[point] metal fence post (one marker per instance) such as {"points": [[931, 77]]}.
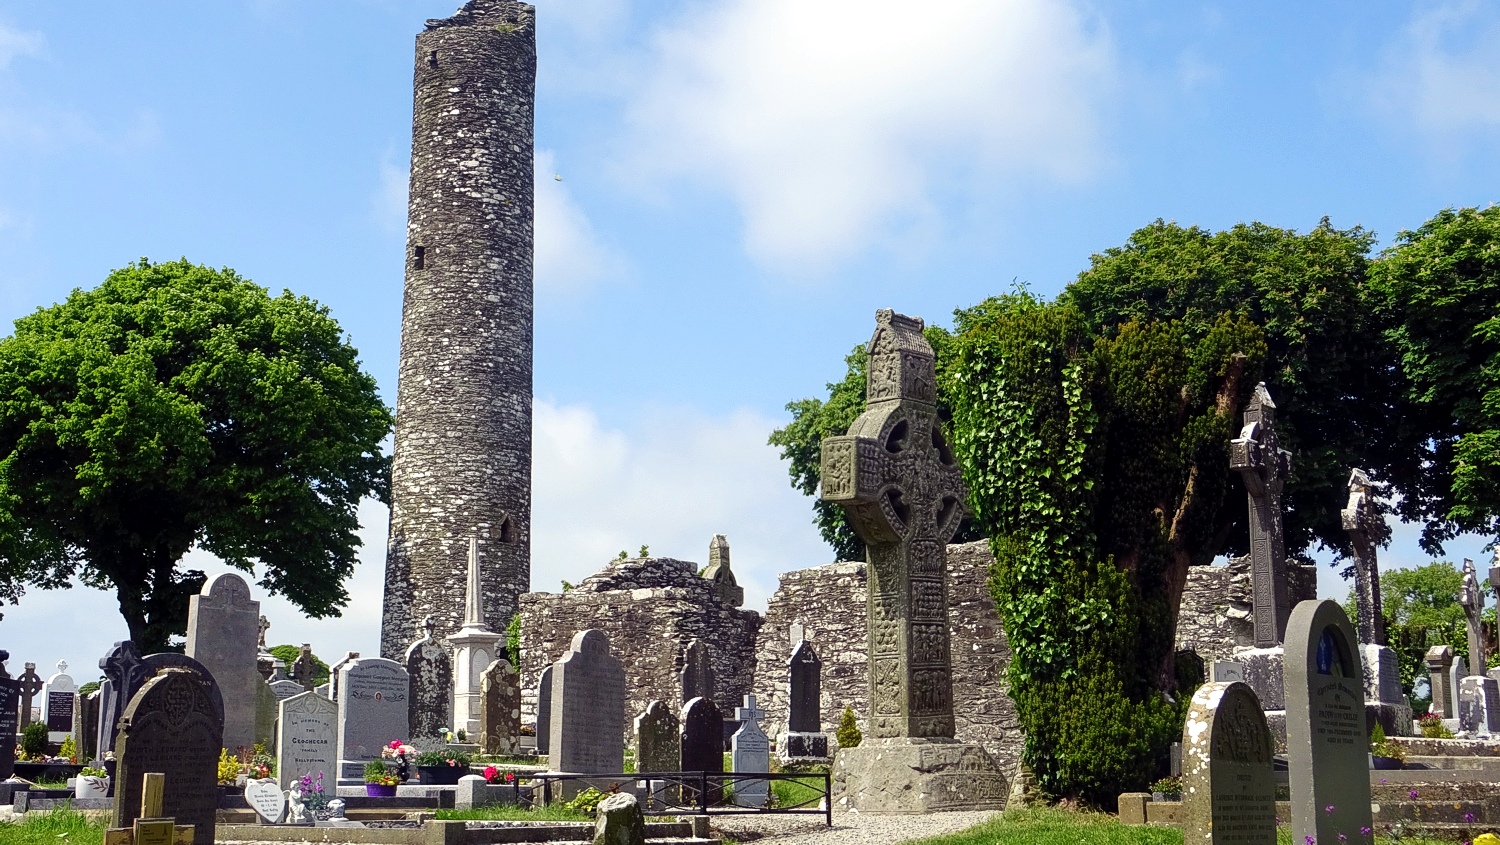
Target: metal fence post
{"points": [[828, 798]]}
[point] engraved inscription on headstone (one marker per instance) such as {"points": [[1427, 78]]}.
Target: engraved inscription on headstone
{"points": [[173, 726], [1228, 786], [751, 753], [588, 708], [224, 635], [307, 742], [431, 674], [1264, 467], [61, 703], [373, 698]]}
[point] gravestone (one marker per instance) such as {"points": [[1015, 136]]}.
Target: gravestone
{"points": [[902, 489], [588, 708], [431, 703], [265, 713], [173, 726], [88, 727], [1228, 786], [266, 798], [500, 713], [373, 705], [697, 672], [702, 747], [304, 669], [10, 704], [1227, 671], [1264, 467], [1439, 661], [61, 704], [30, 684], [124, 672], [325, 690], [1327, 749], [720, 575], [333, 673], [751, 752], [1479, 705], [1385, 702], [223, 634], [1471, 598], [544, 711], [474, 648], [283, 690], [804, 739], [1456, 675], [657, 746], [307, 742]]}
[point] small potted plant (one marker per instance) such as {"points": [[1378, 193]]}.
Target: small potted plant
{"points": [[380, 782], [1432, 727], [91, 783], [1385, 754], [495, 777], [442, 767], [400, 756]]}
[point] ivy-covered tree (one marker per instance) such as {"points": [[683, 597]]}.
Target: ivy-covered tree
{"points": [[177, 405]]}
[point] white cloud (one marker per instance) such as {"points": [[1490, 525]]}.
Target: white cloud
{"points": [[388, 201], [829, 122], [15, 43], [1441, 75], [568, 257]]}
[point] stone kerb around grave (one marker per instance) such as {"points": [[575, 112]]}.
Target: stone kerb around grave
{"points": [[1228, 786], [1328, 761]]}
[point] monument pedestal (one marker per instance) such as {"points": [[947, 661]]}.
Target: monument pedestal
{"points": [[802, 747], [917, 775], [1263, 673], [1479, 706], [1385, 703]]}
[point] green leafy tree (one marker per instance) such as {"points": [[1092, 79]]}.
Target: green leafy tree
{"points": [[288, 654], [177, 405], [513, 641], [1440, 287]]}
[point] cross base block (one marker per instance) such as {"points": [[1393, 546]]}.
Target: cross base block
{"points": [[917, 775]]}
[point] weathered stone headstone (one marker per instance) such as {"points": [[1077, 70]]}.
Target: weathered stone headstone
{"points": [[1228, 786], [374, 697], [431, 673], [1439, 661], [173, 726], [285, 689], [10, 703], [61, 704], [902, 489], [30, 684], [804, 738], [304, 669], [657, 746], [751, 752], [720, 575], [697, 672], [1264, 467], [1471, 597], [1479, 705], [544, 711], [588, 708], [702, 747], [1456, 673], [1327, 747], [307, 742], [1227, 671], [223, 634], [500, 715], [474, 647], [124, 672]]}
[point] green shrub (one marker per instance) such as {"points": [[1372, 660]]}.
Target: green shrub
{"points": [[848, 733], [34, 739], [443, 758], [586, 801]]}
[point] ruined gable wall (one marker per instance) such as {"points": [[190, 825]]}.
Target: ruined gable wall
{"points": [[1215, 618]]}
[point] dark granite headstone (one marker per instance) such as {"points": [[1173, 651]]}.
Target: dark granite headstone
{"points": [[702, 745], [88, 726], [172, 726], [124, 672], [804, 713], [1326, 741], [499, 708], [10, 702], [588, 708], [1228, 786], [60, 711], [697, 672], [431, 672], [657, 745], [544, 711]]}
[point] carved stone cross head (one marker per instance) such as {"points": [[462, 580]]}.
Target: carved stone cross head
{"points": [[265, 625], [749, 712], [1257, 452], [1361, 518], [31, 682]]}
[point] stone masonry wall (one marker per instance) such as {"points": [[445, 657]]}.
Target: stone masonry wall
{"points": [[829, 601], [650, 609], [1215, 618], [462, 457]]}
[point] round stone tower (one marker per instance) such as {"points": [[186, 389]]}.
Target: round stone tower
{"points": [[462, 462]]}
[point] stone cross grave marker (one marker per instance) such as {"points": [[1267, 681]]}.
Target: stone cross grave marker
{"points": [[702, 747], [10, 702], [657, 745], [1471, 596], [60, 704], [1367, 531], [1264, 466], [1439, 661], [697, 672], [544, 711], [1325, 726], [1228, 786], [431, 672], [173, 725], [588, 708], [307, 743], [500, 708], [30, 685], [374, 694], [124, 672], [898, 480], [751, 752], [305, 668], [223, 632]]}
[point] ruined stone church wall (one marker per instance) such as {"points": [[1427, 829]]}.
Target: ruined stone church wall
{"points": [[829, 601], [1215, 618], [650, 609]]}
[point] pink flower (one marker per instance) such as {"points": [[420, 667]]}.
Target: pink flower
{"points": [[395, 743]]}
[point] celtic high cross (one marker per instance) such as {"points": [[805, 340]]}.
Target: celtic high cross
{"points": [[895, 475], [1367, 532], [1264, 466]]}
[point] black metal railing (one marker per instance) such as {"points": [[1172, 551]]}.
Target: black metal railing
{"points": [[687, 793]]}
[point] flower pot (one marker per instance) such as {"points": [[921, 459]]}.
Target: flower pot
{"points": [[1385, 763], [88, 786], [441, 775], [380, 790]]}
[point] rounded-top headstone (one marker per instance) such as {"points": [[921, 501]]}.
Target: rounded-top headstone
{"points": [[173, 726], [227, 588], [1228, 786], [590, 641]]}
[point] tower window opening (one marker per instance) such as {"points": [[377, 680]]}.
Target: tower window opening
{"points": [[507, 531], [432, 59], [419, 258]]}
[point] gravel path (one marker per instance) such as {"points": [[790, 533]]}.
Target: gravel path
{"points": [[848, 828]]}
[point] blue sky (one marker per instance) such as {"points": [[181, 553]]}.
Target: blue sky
{"points": [[743, 183]]}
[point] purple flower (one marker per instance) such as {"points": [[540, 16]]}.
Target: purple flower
{"points": [[1469, 818], [1343, 838], [1328, 809], [1412, 795], [1309, 840]]}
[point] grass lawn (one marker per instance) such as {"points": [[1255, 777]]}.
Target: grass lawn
{"points": [[58, 826], [510, 813], [1062, 827]]}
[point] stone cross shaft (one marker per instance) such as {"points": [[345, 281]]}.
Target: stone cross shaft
{"points": [[1472, 598], [1264, 466], [895, 475], [1367, 532]]}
